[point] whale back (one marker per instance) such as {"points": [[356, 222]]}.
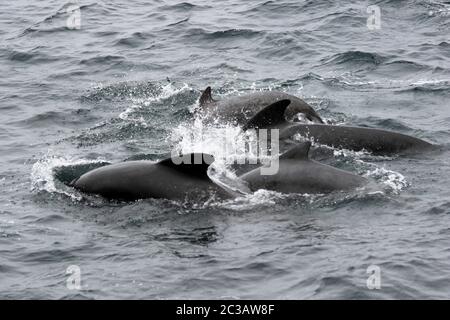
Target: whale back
{"points": [[191, 164], [239, 109], [376, 141], [182, 177], [298, 174], [299, 152]]}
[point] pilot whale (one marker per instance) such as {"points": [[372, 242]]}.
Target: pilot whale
{"points": [[173, 178], [299, 174], [239, 109], [376, 141]]}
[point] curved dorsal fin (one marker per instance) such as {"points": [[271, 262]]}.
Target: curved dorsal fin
{"points": [[195, 164], [206, 97], [300, 151], [270, 115]]}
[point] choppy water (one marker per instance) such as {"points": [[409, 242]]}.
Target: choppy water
{"points": [[124, 84]]}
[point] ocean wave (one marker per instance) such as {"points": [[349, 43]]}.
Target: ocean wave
{"points": [[443, 208], [143, 109], [137, 92], [134, 40], [351, 81], [181, 7], [165, 91], [353, 57], [134, 112], [105, 59], [50, 118], [201, 34], [57, 22], [34, 56], [430, 85]]}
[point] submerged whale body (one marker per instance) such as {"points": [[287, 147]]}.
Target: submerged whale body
{"points": [[240, 109], [377, 141], [299, 174], [133, 180]]}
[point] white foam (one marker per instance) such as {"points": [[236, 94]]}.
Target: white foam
{"points": [[350, 80], [395, 181], [42, 176], [168, 90], [248, 201], [127, 116], [226, 143]]}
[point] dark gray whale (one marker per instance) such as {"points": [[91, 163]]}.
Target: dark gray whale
{"points": [[299, 174], [240, 109], [377, 141], [133, 180]]}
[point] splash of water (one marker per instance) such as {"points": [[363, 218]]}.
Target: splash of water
{"points": [[43, 178], [393, 180], [138, 103], [168, 90], [256, 199]]}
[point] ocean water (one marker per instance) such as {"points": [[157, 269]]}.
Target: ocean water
{"points": [[103, 81]]}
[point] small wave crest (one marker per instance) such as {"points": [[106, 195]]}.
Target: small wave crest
{"points": [[259, 198], [134, 112], [120, 91], [352, 57], [43, 177], [57, 21]]}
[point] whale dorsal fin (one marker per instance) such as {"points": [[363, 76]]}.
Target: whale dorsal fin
{"points": [[206, 97], [300, 151], [270, 115], [195, 164]]}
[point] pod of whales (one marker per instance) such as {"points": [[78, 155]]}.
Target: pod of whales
{"points": [[170, 179], [240, 109], [185, 177]]}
